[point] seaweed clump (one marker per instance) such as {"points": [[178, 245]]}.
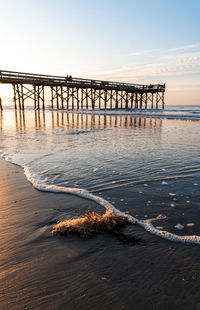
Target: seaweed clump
{"points": [[93, 223]]}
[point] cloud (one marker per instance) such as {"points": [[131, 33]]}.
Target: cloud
{"points": [[141, 53], [185, 47], [173, 49], [182, 57], [155, 70], [163, 66]]}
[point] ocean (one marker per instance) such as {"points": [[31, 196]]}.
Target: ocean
{"points": [[144, 165]]}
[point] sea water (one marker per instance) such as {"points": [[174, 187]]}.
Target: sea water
{"points": [[143, 165]]}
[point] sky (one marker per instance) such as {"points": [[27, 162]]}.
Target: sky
{"points": [[139, 41]]}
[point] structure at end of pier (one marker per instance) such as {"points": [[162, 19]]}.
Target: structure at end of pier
{"points": [[76, 93]]}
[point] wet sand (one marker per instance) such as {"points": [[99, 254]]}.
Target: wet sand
{"points": [[41, 271]]}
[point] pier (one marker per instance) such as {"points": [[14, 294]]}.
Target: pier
{"points": [[73, 93]]}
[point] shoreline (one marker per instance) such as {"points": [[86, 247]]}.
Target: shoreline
{"points": [[149, 225], [39, 270], [135, 113]]}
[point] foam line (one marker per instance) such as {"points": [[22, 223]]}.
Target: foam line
{"points": [[146, 224], [141, 113]]}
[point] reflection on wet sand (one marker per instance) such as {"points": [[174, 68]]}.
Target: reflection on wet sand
{"points": [[20, 120], [1, 120], [40, 121], [55, 119]]}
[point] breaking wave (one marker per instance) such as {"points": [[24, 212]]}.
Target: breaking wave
{"points": [[168, 113]]}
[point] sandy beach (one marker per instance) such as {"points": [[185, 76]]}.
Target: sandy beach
{"points": [[41, 271]]}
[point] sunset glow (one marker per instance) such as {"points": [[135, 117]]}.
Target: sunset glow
{"points": [[131, 41]]}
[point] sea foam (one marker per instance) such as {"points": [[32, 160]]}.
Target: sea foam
{"points": [[146, 224], [152, 113]]}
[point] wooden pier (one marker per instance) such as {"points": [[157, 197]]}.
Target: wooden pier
{"points": [[79, 94]]}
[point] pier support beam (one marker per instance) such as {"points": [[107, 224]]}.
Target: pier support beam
{"points": [[105, 98], [75, 97], [132, 95], [62, 100], [15, 95], [151, 100], [157, 100], [141, 95], [22, 92], [163, 102], [126, 100], [146, 100], [117, 100], [82, 98], [136, 100]]}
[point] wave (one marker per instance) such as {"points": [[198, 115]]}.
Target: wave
{"points": [[191, 115], [170, 112], [128, 182], [146, 224]]}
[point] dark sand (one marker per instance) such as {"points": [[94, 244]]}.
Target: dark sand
{"points": [[40, 271]]}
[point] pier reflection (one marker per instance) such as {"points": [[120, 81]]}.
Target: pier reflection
{"points": [[20, 120], [1, 120], [92, 122], [42, 120]]}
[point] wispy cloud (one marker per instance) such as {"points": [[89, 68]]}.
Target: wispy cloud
{"points": [[164, 66], [182, 59], [164, 51], [184, 47], [141, 53]]}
